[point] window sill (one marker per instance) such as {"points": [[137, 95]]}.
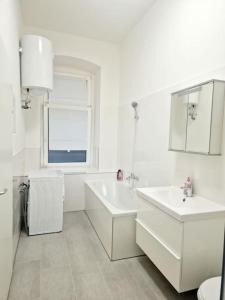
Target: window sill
{"points": [[80, 170]]}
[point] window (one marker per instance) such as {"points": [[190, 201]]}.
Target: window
{"points": [[67, 121]]}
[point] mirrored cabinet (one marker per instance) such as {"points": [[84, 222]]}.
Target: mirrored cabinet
{"points": [[196, 120]]}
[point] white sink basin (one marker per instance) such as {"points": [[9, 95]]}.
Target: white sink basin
{"points": [[171, 200]]}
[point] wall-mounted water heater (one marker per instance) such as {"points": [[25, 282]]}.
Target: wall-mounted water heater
{"points": [[36, 67]]}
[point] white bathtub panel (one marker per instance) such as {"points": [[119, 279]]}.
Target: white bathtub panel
{"points": [[124, 238], [112, 209], [100, 218]]}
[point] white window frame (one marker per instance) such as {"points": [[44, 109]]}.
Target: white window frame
{"points": [[88, 108]]}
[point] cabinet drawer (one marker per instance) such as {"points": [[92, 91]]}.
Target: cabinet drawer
{"points": [[163, 257], [165, 227]]}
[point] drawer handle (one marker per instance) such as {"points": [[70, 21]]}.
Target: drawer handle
{"points": [[158, 240]]}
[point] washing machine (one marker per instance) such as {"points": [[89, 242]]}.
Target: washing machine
{"points": [[45, 201]]}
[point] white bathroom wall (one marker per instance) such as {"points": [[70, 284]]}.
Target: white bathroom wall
{"points": [[176, 44], [10, 27], [105, 55], [75, 191]]}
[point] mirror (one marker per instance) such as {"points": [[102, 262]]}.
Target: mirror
{"points": [[178, 122], [196, 120]]}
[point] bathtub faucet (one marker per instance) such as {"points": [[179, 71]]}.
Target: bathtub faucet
{"points": [[132, 177]]}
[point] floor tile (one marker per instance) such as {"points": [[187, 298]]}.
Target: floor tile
{"points": [[57, 284], [120, 281], [151, 281], [73, 265], [54, 251], [92, 286], [25, 283], [29, 248]]}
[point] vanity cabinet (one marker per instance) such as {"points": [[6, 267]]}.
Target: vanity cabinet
{"points": [[196, 120], [186, 252]]}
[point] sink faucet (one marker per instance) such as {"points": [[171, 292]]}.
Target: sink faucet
{"points": [[188, 187]]}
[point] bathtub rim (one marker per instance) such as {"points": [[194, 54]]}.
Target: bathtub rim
{"points": [[115, 212]]}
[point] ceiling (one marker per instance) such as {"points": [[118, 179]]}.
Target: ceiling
{"points": [[107, 20]]}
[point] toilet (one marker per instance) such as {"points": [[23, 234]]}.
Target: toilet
{"points": [[210, 289]]}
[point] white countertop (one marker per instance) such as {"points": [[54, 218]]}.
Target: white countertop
{"points": [[170, 200]]}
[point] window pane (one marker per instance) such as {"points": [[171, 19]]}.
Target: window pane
{"points": [[69, 90], [68, 138]]}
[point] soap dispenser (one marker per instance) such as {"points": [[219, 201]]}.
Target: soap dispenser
{"points": [[119, 175], [188, 187]]}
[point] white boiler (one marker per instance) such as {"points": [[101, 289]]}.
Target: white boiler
{"points": [[36, 64]]}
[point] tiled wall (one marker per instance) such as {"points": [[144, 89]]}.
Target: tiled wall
{"points": [[17, 180], [74, 189], [18, 172], [153, 163], [174, 46]]}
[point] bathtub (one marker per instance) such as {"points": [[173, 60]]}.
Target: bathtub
{"points": [[111, 207]]}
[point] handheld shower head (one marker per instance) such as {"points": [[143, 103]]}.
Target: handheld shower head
{"points": [[135, 105]]}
